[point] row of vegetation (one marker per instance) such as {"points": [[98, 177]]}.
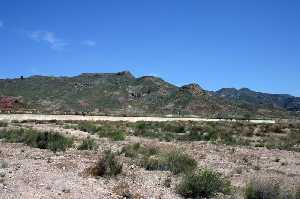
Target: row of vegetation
{"points": [[3, 124], [107, 131], [284, 136], [43, 140]]}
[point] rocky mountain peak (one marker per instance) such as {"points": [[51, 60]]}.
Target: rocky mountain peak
{"points": [[126, 74], [193, 88]]}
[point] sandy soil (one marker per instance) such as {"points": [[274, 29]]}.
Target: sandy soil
{"points": [[20, 117], [36, 173]]}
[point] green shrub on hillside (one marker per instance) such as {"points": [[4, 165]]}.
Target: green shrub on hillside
{"points": [[87, 127], [88, 144], [134, 150], [268, 189], [203, 184], [108, 165], [118, 136], [174, 161], [3, 124], [115, 135]]}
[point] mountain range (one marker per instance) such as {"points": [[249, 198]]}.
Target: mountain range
{"points": [[123, 94]]}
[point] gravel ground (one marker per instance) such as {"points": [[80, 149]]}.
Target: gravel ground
{"points": [[27, 172]]}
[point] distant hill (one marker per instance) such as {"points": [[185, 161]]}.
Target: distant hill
{"points": [[261, 100], [123, 94]]}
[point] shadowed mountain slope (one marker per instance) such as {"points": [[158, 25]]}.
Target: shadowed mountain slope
{"points": [[123, 94]]}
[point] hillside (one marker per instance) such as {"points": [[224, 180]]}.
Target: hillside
{"points": [[258, 100], [123, 94]]}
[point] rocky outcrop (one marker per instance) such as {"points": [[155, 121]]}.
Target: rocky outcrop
{"points": [[193, 88]]}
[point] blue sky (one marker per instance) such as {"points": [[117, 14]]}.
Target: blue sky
{"points": [[215, 43]]}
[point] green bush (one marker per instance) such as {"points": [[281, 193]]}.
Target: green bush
{"points": [[88, 144], [108, 165], [88, 127], [3, 124], [268, 189], [192, 136], [297, 194], [168, 137], [113, 132], [173, 127], [155, 162], [132, 150], [70, 126], [203, 184], [117, 136], [43, 140], [174, 161]]}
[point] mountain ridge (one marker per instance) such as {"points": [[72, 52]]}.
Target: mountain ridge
{"points": [[122, 93]]}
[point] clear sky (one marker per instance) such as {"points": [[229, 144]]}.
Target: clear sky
{"points": [[215, 43]]}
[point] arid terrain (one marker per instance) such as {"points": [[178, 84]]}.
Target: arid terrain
{"points": [[123, 94], [30, 171]]}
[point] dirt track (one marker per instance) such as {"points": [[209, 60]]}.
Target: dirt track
{"points": [[20, 117]]}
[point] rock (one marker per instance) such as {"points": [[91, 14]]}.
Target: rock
{"points": [[37, 158], [195, 89], [66, 190]]}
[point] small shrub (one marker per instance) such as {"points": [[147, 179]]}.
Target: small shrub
{"points": [[108, 165], [180, 162], [155, 162], [132, 150], [118, 136], [54, 141], [113, 134], [88, 144], [70, 126], [267, 189], [87, 127], [3, 124], [203, 184], [136, 149], [173, 127], [174, 161], [193, 136], [168, 137], [297, 194]]}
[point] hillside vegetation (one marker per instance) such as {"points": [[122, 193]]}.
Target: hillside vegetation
{"points": [[123, 94]]}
